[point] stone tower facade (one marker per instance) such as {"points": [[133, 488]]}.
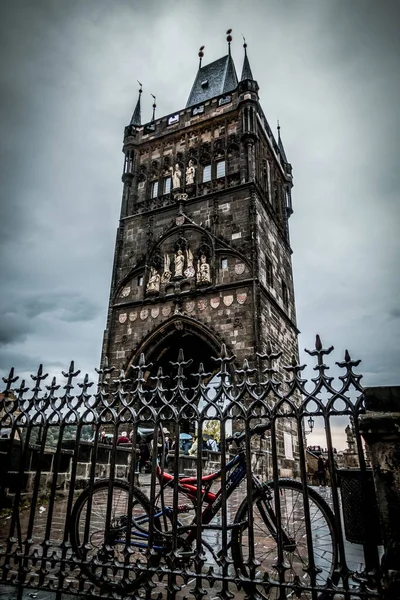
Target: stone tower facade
{"points": [[202, 254]]}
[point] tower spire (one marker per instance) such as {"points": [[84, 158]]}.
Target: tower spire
{"points": [[246, 71], [280, 144], [137, 114], [229, 39], [201, 54], [154, 108]]}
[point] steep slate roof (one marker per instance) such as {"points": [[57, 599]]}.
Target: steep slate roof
{"points": [[221, 77]]}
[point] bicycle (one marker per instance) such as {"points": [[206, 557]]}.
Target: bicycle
{"points": [[120, 538]]}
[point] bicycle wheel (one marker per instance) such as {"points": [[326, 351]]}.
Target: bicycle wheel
{"points": [[295, 549], [102, 545]]}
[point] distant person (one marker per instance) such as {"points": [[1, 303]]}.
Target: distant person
{"points": [[123, 438], [212, 444], [193, 448], [321, 467], [144, 456]]}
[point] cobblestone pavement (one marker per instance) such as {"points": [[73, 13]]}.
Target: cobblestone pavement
{"points": [[55, 524]]}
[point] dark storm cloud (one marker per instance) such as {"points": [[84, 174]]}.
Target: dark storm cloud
{"points": [[31, 313], [327, 70]]}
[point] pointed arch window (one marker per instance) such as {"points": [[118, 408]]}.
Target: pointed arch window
{"points": [[206, 173], [269, 181], [154, 189], [268, 272], [167, 185], [221, 168], [285, 295]]}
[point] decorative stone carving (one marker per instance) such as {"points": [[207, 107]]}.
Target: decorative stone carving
{"points": [[215, 302], [155, 311], [176, 177], [241, 298], [125, 291], [228, 300], [166, 310], [144, 313], [153, 285], [190, 173], [179, 263], [122, 317], [189, 271], [166, 276], [133, 316], [203, 270], [189, 306], [202, 304]]}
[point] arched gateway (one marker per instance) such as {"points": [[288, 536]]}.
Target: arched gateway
{"points": [[180, 332]]}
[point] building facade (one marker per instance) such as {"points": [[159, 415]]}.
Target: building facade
{"points": [[202, 254]]}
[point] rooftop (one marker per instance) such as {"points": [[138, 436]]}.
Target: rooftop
{"points": [[215, 79]]}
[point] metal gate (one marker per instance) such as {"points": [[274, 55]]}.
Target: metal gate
{"points": [[198, 486]]}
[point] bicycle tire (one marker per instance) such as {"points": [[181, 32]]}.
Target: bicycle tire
{"points": [[108, 571], [325, 547]]}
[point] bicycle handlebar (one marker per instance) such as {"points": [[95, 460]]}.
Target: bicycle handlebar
{"points": [[239, 436]]}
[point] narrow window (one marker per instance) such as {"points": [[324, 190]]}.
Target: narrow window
{"points": [[268, 272], [269, 181], [220, 169], [285, 297], [154, 189], [224, 263], [167, 185], [140, 280], [206, 173]]}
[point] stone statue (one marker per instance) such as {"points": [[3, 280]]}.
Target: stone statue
{"points": [[190, 173], [179, 263], [189, 271], [176, 177], [166, 276], [203, 270], [153, 285]]}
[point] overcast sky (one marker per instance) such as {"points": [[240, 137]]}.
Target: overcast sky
{"points": [[328, 70]]}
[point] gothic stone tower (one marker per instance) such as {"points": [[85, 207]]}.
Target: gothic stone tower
{"points": [[202, 252]]}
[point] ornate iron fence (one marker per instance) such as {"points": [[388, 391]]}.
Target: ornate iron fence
{"points": [[120, 491]]}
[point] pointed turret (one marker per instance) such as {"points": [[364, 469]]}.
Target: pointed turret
{"points": [[280, 144], [246, 71], [137, 113]]}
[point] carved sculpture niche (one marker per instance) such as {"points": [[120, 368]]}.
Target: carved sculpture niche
{"points": [[153, 284], [203, 271]]}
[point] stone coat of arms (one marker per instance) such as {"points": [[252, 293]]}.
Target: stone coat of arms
{"points": [[239, 268], [241, 298], [202, 304], [122, 317], [215, 302], [190, 306], [228, 300]]}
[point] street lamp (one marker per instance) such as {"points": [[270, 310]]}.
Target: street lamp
{"points": [[311, 424]]}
